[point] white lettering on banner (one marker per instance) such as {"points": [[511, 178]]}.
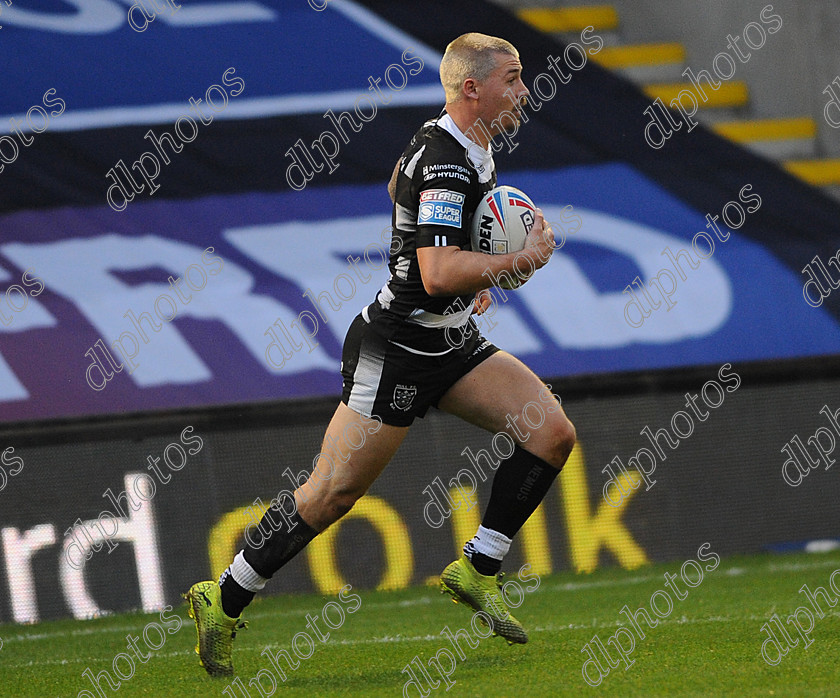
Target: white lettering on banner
{"points": [[18, 553], [105, 300], [31, 316], [566, 303], [10, 387], [102, 16], [35, 316], [578, 316], [202, 14], [561, 298], [91, 17], [289, 250], [19, 548], [139, 529]]}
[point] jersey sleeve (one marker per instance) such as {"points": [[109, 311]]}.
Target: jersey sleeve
{"points": [[444, 206]]}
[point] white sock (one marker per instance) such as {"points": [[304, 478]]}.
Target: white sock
{"points": [[488, 542], [244, 575]]}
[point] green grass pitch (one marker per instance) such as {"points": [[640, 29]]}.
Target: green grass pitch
{"points": [[709, 645]]}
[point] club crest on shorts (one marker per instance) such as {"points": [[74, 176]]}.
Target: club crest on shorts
{"points": [[403, 396]]}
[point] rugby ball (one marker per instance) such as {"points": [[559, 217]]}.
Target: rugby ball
{"points": [[501, 223]]}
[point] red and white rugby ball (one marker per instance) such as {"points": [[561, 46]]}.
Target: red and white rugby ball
{"points": [[501, 223]]}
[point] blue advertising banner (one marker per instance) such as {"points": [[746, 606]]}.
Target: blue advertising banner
{"points": [[193, 207], [246, 297], [292, 58]]}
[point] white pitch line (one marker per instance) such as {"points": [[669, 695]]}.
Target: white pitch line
{"points": [[388, 639], [798, 566], [730, 572], [774, 568], [256, 616]]}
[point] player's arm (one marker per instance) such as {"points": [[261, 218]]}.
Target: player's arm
{"points": [[450, 271]]}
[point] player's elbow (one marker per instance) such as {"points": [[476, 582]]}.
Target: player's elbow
{"points": [[435, 285], [439, 270]]}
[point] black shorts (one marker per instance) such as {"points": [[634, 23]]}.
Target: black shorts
{"points": [[384, 379]]}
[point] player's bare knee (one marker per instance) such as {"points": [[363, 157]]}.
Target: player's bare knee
{"points": [[563, 438], [568, 438]]}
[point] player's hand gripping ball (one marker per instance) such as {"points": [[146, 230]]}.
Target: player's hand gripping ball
{"points": [[501, 223]]}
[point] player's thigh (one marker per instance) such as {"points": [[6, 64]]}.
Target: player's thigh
{"points": [[502, 394], [354, 452]]}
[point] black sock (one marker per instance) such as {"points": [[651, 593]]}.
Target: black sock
{"points": [[234, 597], [519, 486], [286, 537], [485, 565]]}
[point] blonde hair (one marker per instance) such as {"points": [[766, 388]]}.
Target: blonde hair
{"points": [[470, 56]]}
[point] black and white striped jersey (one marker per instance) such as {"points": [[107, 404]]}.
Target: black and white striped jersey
{"points": [[441, 178]]}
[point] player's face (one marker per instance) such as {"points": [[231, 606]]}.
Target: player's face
{"points": [[504, 91]]}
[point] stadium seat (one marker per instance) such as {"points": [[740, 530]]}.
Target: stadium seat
{"points": [[657, 69]]}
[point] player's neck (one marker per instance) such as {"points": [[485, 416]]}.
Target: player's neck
{"points": [[469, 124]]}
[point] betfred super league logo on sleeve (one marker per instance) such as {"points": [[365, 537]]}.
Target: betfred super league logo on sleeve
{"points": [[441, 207]]}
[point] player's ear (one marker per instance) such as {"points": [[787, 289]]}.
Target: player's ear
{"points": [[470, 88]]}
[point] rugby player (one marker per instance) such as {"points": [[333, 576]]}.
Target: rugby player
{"points": [[398, 359]]}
